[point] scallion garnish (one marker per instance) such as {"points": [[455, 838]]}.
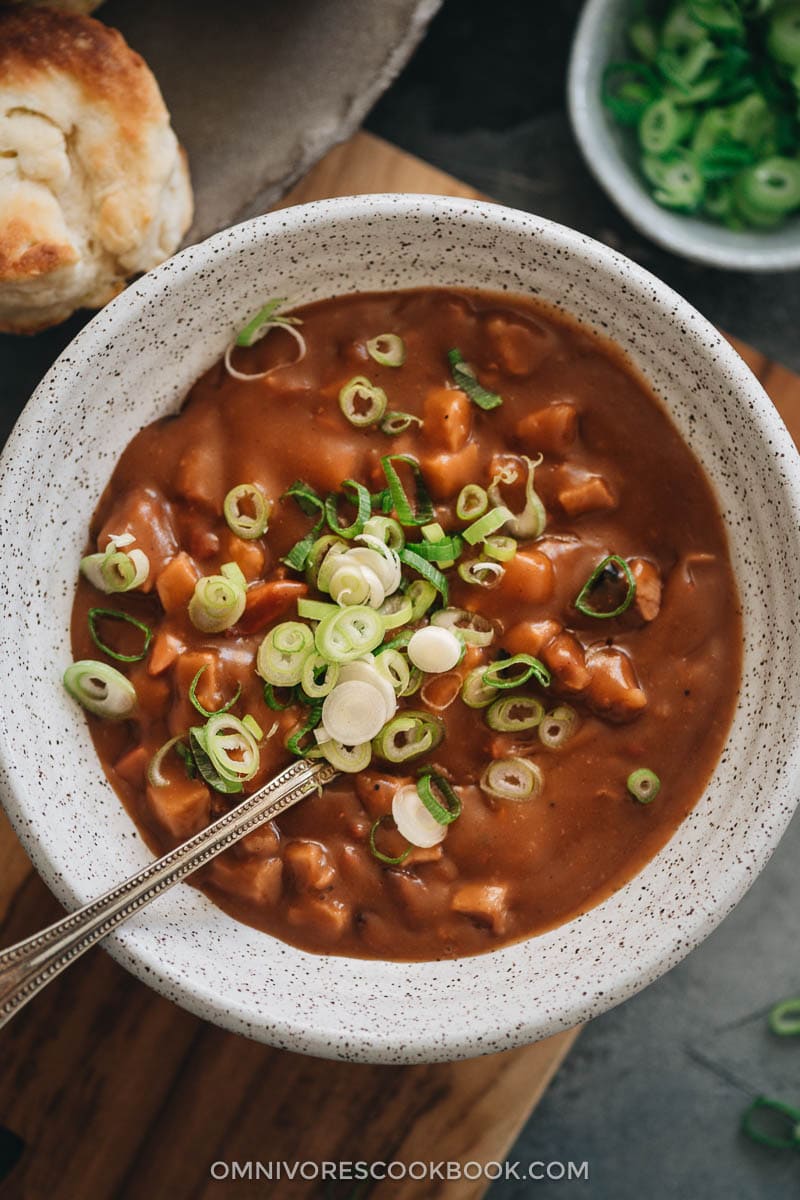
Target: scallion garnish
{"points": [[225, 752], [512, 778], [218, 600], [392, 861], [155, 776], [427, 570], [319, 677], [437, 795], [216, 712], [464, 378], [513, 672], [531, 521], [388, 530], [422, 594], [475, 692], [422, 512], [472, 502], [612, 571], [258, 324], [246, 525], [349, 633], [781, 1128], [112, 614], [500, 547], [101, 689], [557, 726], [294, 743], [489, 523], [443, 551], [310, 503], [362, 402], [273, 702], [408, 735], [514, 714], [267, 318], [387, 349], [116, 569], [283, 652], [480, 573], [363, 504], [350, 759], [471, 627], [643, 784], [784, 1018], [395, 423]]}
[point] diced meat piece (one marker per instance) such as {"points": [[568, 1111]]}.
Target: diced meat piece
{"points": [[528, 576], [147, 515], [164, 650], [647, 602], [614, 689], [203, 543], [448, 418], [565, 657], [517, 347], [486, 903], [199, 476], [376, 791], [182, 808], [266, 602], [308, 866], [248, 555], [176, 581], [326, 917], [530, 637], [258, 881], [446, 474], [132, 766], [551, 430], [424, 901], [590, 494], [263, 842]]}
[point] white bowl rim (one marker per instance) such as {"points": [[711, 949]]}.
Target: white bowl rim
{"points": [[725, 249], [381, 1045]]}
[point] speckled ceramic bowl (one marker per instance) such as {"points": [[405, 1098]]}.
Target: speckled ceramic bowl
{"points": [[610, 152], [133, 363]]}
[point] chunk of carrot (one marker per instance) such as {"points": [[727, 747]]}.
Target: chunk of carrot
{"points": [[182, 808], [448, 418], [248, 556], [446, 474], [530, 637], [132, 767], [528, 576], [175, 584], [165, 649], [550, 430], [586, 495]]}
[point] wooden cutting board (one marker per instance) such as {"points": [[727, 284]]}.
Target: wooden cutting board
{"points": [[109, 1092]]}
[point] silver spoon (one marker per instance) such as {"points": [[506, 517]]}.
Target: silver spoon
{"points": [[27, 967]]}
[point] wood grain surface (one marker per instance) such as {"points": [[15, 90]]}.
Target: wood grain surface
{"points": [[109, 1092]]}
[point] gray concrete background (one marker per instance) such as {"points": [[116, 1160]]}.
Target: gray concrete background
{"points": [[652, 1094]]}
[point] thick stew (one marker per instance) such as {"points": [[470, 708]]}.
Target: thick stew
{"points": [[451, 542]]}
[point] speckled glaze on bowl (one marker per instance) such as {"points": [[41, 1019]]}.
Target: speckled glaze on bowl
{"points": [[610, 153], [133, 363]]}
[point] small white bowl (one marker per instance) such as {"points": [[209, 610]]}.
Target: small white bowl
{"points": [[134, 363], [611, 154]]}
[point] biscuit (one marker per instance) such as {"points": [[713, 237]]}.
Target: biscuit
{"points": [[94, 186]]}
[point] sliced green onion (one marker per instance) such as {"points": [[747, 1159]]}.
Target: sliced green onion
{"points": [[387, 349], [314, 610], [443, 551], [393, 665], [612, 570], [392, 861], [480, 573], [783, 35], [244, 524], [387, 530], [155, 776], [204, 711], [115, 569], [782, 1129], [513, 672], [475, 692], [225, 752], [101, 689], [471, 627], [362, 402], [272, 701], [500, 547], [396, 611], [472, 502], [676, 179], [363, 504], [317, 554], [422, 512], [294, 743], [771, 187], [489, 523], [531, 521], [464, 378], [112, 614], [408, 735], [283, 652], [663, 126], [427, 570], [784, 1018], [218, 600], [439, 798], [395, 423], [350, 759], [557, 726], [718, 16], [319, 676], [331, 563], [249, 722], [257, 326], [627, 89], [349, 633], [512, 779], [643, 784], [422, 594], [310, 503], [513, 714]]}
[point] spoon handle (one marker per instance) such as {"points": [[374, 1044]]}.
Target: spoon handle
{"points": [[27, 967]]}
